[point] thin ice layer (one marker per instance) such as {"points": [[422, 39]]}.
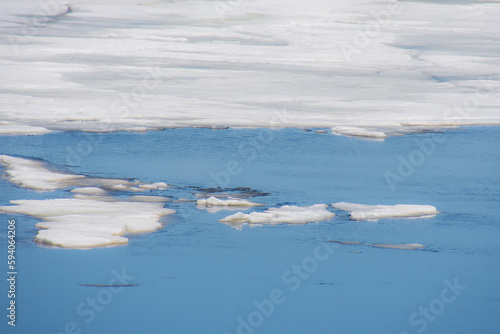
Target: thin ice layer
{"points": [[375, 212], [84, 223], [287, 214]]}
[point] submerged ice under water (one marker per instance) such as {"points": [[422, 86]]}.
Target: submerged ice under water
{"points": [[197, 265]]}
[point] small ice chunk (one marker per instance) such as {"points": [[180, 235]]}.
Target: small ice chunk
{"points": [[89, 191], [214, 201], [161, 185], [375, 212], [119, 187], [148, 186], [287, 214], [136, 189], [357, 132]]}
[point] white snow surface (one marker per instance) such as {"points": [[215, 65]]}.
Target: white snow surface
{"points": [[375, 212], [287, 214], [145, 65]]}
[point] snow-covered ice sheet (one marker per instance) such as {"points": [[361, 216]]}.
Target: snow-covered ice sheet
{"points": [[375, 212], [287, 214], [137, 66]]}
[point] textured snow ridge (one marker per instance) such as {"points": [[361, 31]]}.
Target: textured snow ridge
{"points": [[287, 214], [33, 174], [86, 223], [375, 212], [276, 63]]}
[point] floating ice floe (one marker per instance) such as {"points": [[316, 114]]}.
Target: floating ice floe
{"points": [[33, 174], [92, 218], [214, 204], [358, 132], [287, 214], [86, 223], [375, 212], [214, 201]]}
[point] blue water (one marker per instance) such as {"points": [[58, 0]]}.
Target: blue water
{"points": [[197, 275]]}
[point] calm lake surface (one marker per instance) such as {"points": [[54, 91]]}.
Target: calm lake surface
{"points": [[197, 275]]}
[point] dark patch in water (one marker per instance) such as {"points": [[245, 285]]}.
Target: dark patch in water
{"points": [[109, 285], [238, 192]]}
